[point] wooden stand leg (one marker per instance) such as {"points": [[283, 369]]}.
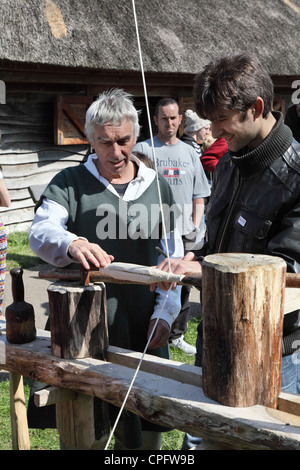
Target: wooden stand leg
{"points": [[19, 424], [77, 418], [81, 423]]}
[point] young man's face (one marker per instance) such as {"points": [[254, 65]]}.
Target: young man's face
{"points": [[237, 130], [168, 121]]}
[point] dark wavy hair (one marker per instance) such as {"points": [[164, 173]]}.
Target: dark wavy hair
{"points": [[232, 82]]}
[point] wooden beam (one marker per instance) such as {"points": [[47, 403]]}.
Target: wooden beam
{"points": [[289, 403], [82, 76], [174, 370], [291, 300], [157, 399], [51, 395], [48, 396]]}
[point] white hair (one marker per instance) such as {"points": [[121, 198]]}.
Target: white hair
{"points": [[113, 107]]}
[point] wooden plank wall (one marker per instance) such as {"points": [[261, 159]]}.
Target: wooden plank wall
{"points": [[28, 156]]}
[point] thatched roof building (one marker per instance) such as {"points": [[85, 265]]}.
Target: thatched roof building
{"points": [[57, 55], [176, 36]]}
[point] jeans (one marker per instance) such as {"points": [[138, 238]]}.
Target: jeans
{"points": [[290, 373]]}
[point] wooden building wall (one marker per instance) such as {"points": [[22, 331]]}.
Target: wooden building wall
{"points": [[28, 156]]}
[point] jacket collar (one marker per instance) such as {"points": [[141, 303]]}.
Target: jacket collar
{"points": [[274, 145]]}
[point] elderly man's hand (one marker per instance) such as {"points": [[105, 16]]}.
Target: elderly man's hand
{"points": [[89, 253], [161, 334]]}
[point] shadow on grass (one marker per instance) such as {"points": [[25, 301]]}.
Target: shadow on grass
{"points": [[14, 260]]}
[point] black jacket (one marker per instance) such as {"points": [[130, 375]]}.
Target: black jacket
{"points": [[292, 120], [254, 206]]}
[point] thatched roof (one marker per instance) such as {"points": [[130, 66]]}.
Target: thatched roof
{"points": [[176, 36]]}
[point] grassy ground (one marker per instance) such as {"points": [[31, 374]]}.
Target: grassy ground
{"points": [[19, 254]]}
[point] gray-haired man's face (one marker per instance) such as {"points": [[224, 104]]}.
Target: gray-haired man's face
{"points": [[113, 145]]}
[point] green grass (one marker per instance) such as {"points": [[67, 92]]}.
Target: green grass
{"points": [[20, 254], [47, 439]]}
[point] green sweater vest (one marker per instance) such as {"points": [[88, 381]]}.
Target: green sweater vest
{"points": [[127, 230]]}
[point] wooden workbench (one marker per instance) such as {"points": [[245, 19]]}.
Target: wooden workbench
{"points": [[164, 392]]}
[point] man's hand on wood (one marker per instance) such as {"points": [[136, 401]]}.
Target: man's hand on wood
{"points": [[89, 253]]}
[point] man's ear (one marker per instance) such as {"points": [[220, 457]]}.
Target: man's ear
{"points": [[155, 120], [258, 107]]}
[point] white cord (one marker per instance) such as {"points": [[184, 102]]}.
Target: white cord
{"points": [[136, 373], [151, 134], [164, 232]]}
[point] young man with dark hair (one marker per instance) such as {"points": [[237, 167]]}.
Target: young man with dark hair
{"points": [[255, 201], [108, 209]]}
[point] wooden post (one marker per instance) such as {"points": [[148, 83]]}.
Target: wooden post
{"points": [[243, 300], [78, 323], [19, 425], [78, 320]]}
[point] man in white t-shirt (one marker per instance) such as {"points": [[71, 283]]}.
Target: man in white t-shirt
{"points": [[179, 163]]}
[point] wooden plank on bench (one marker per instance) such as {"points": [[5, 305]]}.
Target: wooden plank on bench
{"points": [[158, 399]]}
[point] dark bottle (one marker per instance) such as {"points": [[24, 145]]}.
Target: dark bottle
{"points": [[20, 322]]}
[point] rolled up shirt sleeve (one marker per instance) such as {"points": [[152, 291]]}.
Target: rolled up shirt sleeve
{"points": [[48, 236], [49, 239]]}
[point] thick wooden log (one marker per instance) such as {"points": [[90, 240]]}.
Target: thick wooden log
{"points": [[48, 396], [243, 298], [78, 320]]}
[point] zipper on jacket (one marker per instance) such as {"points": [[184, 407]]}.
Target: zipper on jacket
{"points": [[228, 220]]}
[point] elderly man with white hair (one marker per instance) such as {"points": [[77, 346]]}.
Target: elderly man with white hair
{"points": [[108, 209]]}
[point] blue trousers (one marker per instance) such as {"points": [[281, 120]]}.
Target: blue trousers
{"points": [[290, 373]]}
